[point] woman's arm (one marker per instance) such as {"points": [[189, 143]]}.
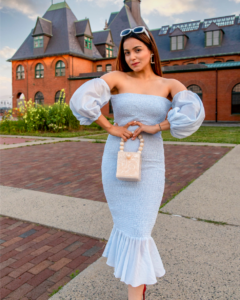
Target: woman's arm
{"points": [[187, 113]]}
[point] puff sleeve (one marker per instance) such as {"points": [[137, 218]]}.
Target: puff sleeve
{"points": [[88, 99], [186, 115]]}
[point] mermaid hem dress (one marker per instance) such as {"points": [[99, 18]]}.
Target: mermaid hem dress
{"points": [[134, 205]]}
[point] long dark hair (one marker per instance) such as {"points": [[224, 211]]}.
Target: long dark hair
{"points": [[121, 64]]}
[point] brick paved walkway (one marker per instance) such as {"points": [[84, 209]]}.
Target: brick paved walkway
{"points": [[14, 140], [74, 168], [36, 260]]}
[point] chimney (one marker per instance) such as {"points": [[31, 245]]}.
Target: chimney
{"points": [[134, 6]]}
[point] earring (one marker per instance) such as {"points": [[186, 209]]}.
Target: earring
{"points": [[152, 62]]}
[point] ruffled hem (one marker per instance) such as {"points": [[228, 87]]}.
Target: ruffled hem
{"points": [[135, 260]]}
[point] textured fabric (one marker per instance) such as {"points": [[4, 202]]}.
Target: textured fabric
{"points": [[186, 115], [134, 206], [87, 100]]}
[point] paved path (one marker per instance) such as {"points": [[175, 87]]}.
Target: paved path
{"points": [[215, 195], [74, 168], [201, 259], [36, 260], [15, 140]]}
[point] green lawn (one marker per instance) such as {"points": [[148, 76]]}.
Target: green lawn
{"points": [[64, 134], [205, 134]]}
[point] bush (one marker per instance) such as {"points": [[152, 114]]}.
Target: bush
{"points": [[33, 117]]}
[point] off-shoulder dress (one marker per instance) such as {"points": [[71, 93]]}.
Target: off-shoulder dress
{"points": [[134, 205]]}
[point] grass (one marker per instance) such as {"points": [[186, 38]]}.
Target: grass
{"points": [[205, 134], [63, 134]]}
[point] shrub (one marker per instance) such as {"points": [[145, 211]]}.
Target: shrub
{"points": [[33, 117]]}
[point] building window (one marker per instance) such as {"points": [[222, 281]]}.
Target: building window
{"points": [[176, 65], [99, 68], [39, 99], [212, 38], [217, 62], [39, 71], [230, 60], [177, 42], [236, 99], [60, 68], [59, 96], [202, 63], [110, 107], [109, 51], [196, 89], [190, 64], [108, 68], [20, 72], [38, 41], [87, 42]]}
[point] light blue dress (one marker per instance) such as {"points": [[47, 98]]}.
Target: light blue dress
{"points": [[134, 205]]}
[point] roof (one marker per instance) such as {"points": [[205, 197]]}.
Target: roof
{"points": [[81, 26], [124, 19], [100, 37], [43, 26], [58, 6], [195, 46], [63, 40], [112, 16], [201, 67], [65, 27]]}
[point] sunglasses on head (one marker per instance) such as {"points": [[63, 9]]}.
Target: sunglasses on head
{"points": [[138, 29]]}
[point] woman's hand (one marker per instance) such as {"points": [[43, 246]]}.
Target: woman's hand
{"points": [[122, 131], [152, 129]]}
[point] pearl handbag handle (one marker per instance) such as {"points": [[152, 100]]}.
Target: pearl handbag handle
{"points": [[140, 146]]}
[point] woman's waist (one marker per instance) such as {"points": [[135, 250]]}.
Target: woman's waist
{"points": [[152, 148]]}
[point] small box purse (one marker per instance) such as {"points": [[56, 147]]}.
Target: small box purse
{"points": [[129, 163]]}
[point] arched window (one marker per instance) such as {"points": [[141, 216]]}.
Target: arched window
{"points": [[39, 71], [230, 60], [59, 96], [196, 89], [20, 72], [99, 68], [39, 98], [190, 64], [217, 62], [236, 99], [60, 68], [110, 107], [202, 63], [108, 68], [176, 65]]}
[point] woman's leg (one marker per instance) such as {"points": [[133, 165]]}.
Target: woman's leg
{"points": [[135, 293]]}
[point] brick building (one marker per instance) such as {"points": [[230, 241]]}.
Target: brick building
{"points": [[63, 52]]}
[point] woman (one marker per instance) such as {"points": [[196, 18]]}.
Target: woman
{"points": [[141, 99]]}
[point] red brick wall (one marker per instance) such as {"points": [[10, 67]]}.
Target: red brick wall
{"points": [[50, 84]]}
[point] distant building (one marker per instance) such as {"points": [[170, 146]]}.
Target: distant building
{"points": [[63, 52]]}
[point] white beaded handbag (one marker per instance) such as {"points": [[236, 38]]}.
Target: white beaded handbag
{"points": [[129, 163]]}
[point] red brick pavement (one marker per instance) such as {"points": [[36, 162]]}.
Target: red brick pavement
{"points": [[35, 260], [14, 140], [74, 168]]}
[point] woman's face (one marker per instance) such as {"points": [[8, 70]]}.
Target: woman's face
{"points": [[137, 54]]}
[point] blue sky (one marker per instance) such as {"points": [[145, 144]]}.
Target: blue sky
{"points": [[18, 17]]}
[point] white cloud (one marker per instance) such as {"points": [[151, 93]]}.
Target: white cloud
{"points": [[27, 7], [237, 1], [103, 3], [175, 7], [7, 52], [146, 20]]}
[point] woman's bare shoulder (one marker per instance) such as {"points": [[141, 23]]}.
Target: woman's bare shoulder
{"points": [[175, 86], [114, 79]]}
